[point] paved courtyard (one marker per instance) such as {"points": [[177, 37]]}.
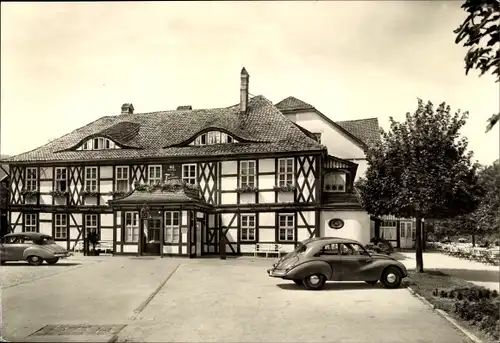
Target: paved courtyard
{"points": [[209, 300]]}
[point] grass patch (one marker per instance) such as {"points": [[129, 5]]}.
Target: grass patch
{"points": [[454, 296]]}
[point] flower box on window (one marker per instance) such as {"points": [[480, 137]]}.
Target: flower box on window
{"points": [[247, 189], [30, 193], [285, 188], [90, 193], [59, 194], [169, 186]]}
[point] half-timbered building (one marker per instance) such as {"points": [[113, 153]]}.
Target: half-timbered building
{"points": [[177, 182]]}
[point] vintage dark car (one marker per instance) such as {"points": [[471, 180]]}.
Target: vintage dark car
{"points": [[318, 260], [32, 247]]}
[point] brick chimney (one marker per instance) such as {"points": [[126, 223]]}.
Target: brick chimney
{"points": [[244, 91], [127, 109], [185, 108]]}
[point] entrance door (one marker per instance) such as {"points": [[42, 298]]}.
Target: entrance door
{"points": [[406, 234], [151, 242]]}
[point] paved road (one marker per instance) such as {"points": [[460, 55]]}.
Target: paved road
{"points": [[212, 301], [475, 272]]}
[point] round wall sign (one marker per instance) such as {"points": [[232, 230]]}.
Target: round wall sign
{"points": [[336, 223]]}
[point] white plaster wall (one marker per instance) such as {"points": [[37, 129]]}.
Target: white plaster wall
{"points": [[211, 220], [106, 219], [46, 173], [45, 216], [46, 228], [118, 215], [46, 199], [78, 219], [229, 183], [184, 236], [73, 233], [106, 234], [106, 186], [232, 235], [287, 247], [229, 167], [247, 248], [229, 198], [247, 198], [14, 218], [226, 219], [105, 198], [184, 218], [45, 186], [184, 249], [302, 234], [267, 235], [106, 172], [266, 197], [267, 165], [309, 216], [356, 225], [130, 248], [118, 231], [267, 218], [266, 181]]}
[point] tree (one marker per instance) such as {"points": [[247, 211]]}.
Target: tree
{"points": [[480, 32], [421, 169], [484, 222]]}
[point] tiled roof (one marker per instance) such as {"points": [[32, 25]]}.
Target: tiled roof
{"points": [[157, 196], [164, 134], [367, 130], [292, 103]]}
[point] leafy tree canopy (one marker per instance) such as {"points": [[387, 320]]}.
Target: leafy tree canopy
{"points": [[480, 32], [421, 168]]}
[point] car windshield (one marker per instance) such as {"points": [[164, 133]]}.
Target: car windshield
{"points": [[44, 240]]}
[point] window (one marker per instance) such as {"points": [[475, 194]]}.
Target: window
{"points": [[154, 174], [91, 224], [213, 137], [248, 227], [172, 227], [30, 222], [91, 179], [189, 173], [247, 174], [31, 179], [61, 180], [122, 179], [98, 143], [330, 249], [335, 182], [351, 249], [388, 229], [285, 172], [286, 227], [60, 226], [131, 227]]}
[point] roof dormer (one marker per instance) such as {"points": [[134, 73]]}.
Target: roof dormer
{"points": [[213, 137], [98, 143]]}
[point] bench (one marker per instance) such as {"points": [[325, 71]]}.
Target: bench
{"points": [[268, 249]]}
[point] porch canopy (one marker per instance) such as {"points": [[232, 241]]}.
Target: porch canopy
{"points": [[172, 194]]}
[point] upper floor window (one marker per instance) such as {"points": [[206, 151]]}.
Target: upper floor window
{"points": [[335, 182], [317, 136], [213, 137], [189, 173], [122, 182], [31, 179], [247, 174], [154, 174], [98, 143], [61, 179], [91, 179], [285, 171]]}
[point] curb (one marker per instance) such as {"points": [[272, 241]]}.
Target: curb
{"points": [[446, 316]]}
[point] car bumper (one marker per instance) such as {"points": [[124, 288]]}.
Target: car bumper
{"points": [[63, 255], [276, 273]]}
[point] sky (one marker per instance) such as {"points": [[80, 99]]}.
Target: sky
{"points": [[64, 65]]}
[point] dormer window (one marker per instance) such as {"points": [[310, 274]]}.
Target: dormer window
{"points": [[98, 143], [335, 182], [213, 137]]}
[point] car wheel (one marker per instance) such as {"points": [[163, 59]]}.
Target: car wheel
{"points": [[298, 282], [373, 283], [391, 277], [34, 260], [52, 260], [314, 282]]}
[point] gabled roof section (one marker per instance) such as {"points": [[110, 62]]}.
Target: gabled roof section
{"points": [[366, 130], [292, 103], [159, 134]]}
